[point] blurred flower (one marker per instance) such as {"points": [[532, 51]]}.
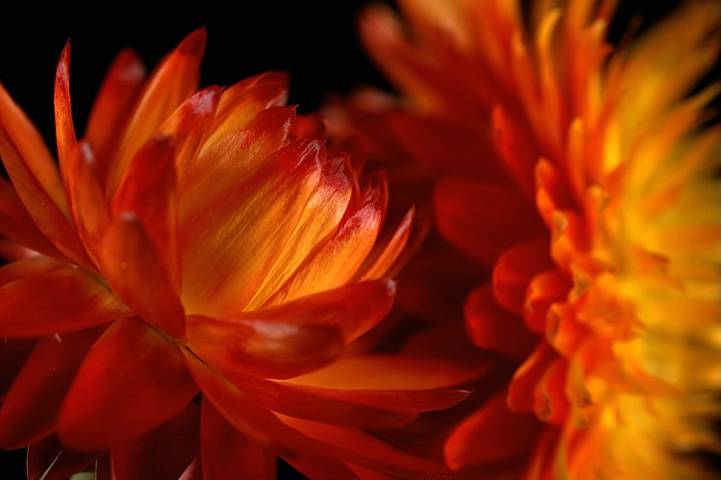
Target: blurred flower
{"points": [[187, 294], [584, 175]]}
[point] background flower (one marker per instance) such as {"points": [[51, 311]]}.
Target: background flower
{"points": [[586, 180], [196, 273]]}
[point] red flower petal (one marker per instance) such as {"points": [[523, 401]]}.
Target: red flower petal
{"points": [[520, 392], [515, 269], [132, 267], [492, 434], [131, 380], [148, 191], [227, 453], [483, 219], [13, 354], [42, 297], [164, 452], [492, 327], [64, 128], [174, 80], [31, 408]]}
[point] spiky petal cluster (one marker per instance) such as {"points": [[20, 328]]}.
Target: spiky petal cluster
{"points": [[585, 176], [180, 293]]}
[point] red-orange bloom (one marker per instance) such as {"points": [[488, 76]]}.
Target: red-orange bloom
{"points": [[584, 176], [184, 292]]}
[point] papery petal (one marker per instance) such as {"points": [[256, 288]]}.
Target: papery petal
{"points": [[357, 408], [492, 434], [163, 453], [31, 407], [175, 79], [132, 380], [64, 127], [337, 260], [36, 180], [228, 453], [89, 209], [132, 267], [255, 216], [112, 107], [491, 326], [387, 261], [515, 269], [482, 219], [17, 225], [148, 191], [48, 459], [324, 211], [272, 349], [355, 446], [44, 297]]}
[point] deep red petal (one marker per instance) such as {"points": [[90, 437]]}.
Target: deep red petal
{"points": [[43, 297], [492, 327], [31, 408], [148, 191], [492, 434], [227, 453], [163, 453], [13, 354], [132, 267], [515, 269], [520, 391], [64, 128], [132, 380]]}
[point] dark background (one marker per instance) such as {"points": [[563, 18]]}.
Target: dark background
{"points": [[315, 41]]}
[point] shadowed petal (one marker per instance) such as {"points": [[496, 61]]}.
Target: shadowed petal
{"points": [[163, 453], [132, 267], [227, 453], [13, 354], [131, 380], [42, 297], [31, 408], [514, 271]]}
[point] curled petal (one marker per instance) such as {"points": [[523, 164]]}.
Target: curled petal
{"points": [[42, 297], [132, 267], [132, 380], [515, 269], [31, 408]]}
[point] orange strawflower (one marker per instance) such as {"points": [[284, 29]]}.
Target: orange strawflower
{"points": [[189, 292], [584, 175]]}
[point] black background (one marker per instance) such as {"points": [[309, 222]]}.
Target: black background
{"points": [[315, 41]]}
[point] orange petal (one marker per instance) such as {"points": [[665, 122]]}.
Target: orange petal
{"points": [[515, 269], [520, 392], [272, 349], [384, 261], [483, 219], [31, 407], [88, 206], [232, 241], [111, 109], [227, 453], [545, 289], [492, 434], [148, 191], [164, 452], [175, 79], [494, 328], [132, 380], [48, 459], [356, 408], [131, 265], [64, 128], [42, 297]]}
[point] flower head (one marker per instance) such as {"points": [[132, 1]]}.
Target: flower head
{"points": [[193, 276], [584, 175]]}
